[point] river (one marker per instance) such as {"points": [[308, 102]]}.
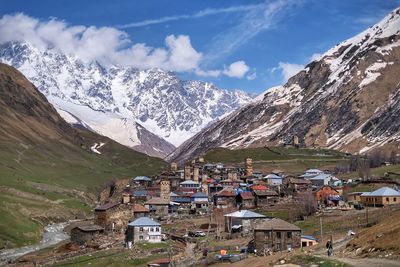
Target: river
{"points": [[53, 234]]}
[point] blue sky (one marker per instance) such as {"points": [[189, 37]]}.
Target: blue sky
{"points": [[248, 45]]}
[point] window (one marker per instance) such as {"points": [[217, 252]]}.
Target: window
{"points": [[157, 229], [394, 199], [141, 229], [151, 229], [289, 234], [278, 235], [387, 199], [140, 237]]}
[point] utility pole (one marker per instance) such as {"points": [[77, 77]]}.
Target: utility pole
{"points": [[320, 224]]}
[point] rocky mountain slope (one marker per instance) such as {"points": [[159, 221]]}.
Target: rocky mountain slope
{"points": [[349, 99], [49, 170], [131, 103]]}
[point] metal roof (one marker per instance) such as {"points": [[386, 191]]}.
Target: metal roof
{"points": [[189, 182], [199, 194], [144, 221], [272, 176], [247, 214], [309, 237], [142, 178], [321, 176], [384, 191]]}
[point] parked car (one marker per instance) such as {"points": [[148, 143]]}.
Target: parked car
{"points": [[199, 233]]}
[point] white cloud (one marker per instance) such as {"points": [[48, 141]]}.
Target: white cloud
{"points": [[288, 69], [199, 14], [237, 69], [208, 73], [107, 45]]}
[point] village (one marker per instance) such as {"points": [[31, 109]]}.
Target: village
{"points": [[207, 213]]}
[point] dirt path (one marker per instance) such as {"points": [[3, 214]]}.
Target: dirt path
{"points": [[356, 262]]}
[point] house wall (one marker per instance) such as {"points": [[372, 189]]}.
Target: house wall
{"points": [[80, 237], [379, 201], [276, 240], [158, 209], [248, 203], [119, 215], [323, 193], [308, 242], [146, 234]]}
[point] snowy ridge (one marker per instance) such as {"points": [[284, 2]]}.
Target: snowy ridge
{"points": [[164, 105], [348, 99]]}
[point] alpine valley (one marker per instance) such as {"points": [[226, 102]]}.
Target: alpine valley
{"points": [[152, 111], [348, 99]]}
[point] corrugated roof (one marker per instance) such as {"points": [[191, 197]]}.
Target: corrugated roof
{"points": [[139, 208], [107, 206], [308, 237], [142, 178], [199, 194], [157, 201], [189, 182], [248, 214], [272, 176], [144, 221], [259, 187], [313, 170], [227, 192], [276, 224], [321, 176], [247, 195], [139, 193], [384, 191], [265, 193]]}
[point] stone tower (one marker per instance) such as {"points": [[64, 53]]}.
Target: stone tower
{"points": [[187, 172], [174, 166], [249, 166], [196, 174], [165, 189], [296, 142], [204, 188]]}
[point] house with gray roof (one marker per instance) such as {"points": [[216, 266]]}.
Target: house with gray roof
{"points": [[242, 221], [143, 229], [383, 196]]}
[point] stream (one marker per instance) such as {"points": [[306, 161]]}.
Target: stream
{"points": [[53, 234]]}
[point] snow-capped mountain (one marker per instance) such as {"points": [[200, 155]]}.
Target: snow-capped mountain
{"points": [[349, 99], [123, 103]]}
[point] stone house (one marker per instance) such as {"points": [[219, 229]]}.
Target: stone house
{"points": [[276, 235], [113, 216], [225, 198], [199, 200], [158, 206], [143, 229], [265, 197], [140, 211], [242, 221], [327, 195], [85, 234], [245, 200]]}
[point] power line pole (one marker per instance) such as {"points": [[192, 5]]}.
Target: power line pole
{"points": [[320, 224]]}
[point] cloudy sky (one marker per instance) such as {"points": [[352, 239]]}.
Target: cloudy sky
{"points": [[248, 45]]}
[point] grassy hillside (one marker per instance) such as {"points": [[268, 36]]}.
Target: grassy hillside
{"points": [[54, 181], [290, 160]]}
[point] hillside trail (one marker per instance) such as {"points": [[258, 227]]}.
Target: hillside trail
{"points": [[338, 245]]}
